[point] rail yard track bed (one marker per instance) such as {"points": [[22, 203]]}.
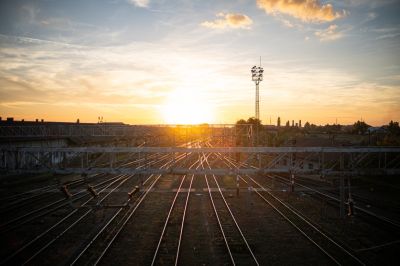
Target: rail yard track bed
{"points": [[187, 220]]}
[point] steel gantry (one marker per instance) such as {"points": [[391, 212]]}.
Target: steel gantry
{"points": [[152, 135], [325, 161]]}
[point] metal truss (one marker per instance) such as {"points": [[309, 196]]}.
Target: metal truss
{"points": [[327, 161], [155, 135]]}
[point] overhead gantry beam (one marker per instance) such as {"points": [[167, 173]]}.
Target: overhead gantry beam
{"points": [[216, 171], [257, 160], [261, 150]]}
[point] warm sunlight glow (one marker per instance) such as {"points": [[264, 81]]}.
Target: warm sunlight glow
{"points": [[185, 106]]}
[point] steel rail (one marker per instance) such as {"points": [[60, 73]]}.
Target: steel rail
{"points": [[169, 215], [127, 216], [4, 228], [184, 217], [233, 217], [62, 201], [297, 214], [107, 224], [365, 211], [219, 221], [122, 179], [54, 226], [183, 222], [39, 196]]}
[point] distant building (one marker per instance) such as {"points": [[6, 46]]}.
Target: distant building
{"points": [[376, 130]]}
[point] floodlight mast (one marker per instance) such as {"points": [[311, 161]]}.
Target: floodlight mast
{"points": [[257, 77]]}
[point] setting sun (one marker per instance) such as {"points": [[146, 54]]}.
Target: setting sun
{"points": [[185, 106]]}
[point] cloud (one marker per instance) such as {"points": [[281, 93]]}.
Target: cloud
{"points": [[229, 20], [305, 10], [140, 3], [329, 34], [36, 72], [330, 91], [287, 23], [369, 3]]}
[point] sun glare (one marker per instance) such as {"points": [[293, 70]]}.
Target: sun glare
{"points": [[184, 106]]}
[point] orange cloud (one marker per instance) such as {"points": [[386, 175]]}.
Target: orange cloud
{"points": [[306, 10], [230, 20], [329, 34]]}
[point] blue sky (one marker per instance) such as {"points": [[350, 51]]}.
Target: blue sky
{"points": [[138, 61]]}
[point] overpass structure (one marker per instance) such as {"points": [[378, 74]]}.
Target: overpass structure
{"points": [[155, 135], [326, 161]]}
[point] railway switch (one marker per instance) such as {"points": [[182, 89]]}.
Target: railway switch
{"points": [[92, 191], [65, 191], [351, 207], [133, 191], [292, 183], [237, 186]]}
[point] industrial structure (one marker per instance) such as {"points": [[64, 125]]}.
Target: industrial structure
{"points": [[41, 148], [333, 161], [172, 187]]}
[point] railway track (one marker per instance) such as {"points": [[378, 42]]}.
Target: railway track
{"points": [[68, 221], [98, 245], [145, 223], [22, 199], [150, 227], [168, 247], [61, 201], [236, 243], [336, 252], [334, 197], [39, 195]]}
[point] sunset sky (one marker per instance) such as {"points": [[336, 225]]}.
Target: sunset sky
{"points": [[167, 61]]}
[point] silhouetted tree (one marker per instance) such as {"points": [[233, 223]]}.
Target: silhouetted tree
{"points": [[307, 125], [279, 122], [360, 127], [241, 122], [256, 125], [393, 128], [255, 122]]}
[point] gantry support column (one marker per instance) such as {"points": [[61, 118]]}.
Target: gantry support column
{"points": [[341, 188]]}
